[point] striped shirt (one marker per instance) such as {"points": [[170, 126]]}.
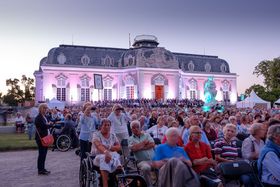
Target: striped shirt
{"points": [[226, 150]]}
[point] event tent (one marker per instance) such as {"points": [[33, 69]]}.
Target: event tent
{"points": [[253, 100], [277, 102], [54, 103]]}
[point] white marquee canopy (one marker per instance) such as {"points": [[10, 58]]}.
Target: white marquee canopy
{"points": [[252, 101]]}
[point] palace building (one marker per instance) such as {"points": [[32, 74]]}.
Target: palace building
{"points": [[145, 70]]}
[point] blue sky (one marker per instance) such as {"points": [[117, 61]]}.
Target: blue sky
{"points": [[241, 32]]}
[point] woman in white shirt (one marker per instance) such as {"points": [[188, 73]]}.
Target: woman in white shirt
{"points": [[158, 131], [119, 120]]}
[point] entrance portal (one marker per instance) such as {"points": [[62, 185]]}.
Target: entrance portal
{"points": [[159, 92]]}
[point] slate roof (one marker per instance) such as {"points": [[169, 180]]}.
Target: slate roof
{"points": [[73, 55]]}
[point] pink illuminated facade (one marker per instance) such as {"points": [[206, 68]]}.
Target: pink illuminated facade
{"points": [[142, 71]]}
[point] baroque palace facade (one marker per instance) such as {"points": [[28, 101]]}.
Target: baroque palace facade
{"points": [[142, 71]]}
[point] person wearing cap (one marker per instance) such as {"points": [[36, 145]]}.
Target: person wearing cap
{"points": [[119, 120]]}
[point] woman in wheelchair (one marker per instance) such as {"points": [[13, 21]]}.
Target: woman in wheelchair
{"points": [[105, 146], [201, 157]]}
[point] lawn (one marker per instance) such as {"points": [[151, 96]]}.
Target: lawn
{"points": [[16, 142]]}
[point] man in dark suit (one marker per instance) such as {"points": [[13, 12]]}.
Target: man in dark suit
{"points": [[42, 126]]}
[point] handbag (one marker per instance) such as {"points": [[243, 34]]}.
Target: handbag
{"points": [[47, 140], [235, 169]]}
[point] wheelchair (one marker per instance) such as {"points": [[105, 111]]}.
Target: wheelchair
{"points": [[129, 175], [89, 176], [62, 142]]}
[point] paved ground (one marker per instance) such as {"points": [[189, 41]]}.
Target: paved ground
{"points": [[19, 169]]}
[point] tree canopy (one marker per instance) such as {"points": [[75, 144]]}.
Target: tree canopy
{"points": [[16, 94], [270, 70]]}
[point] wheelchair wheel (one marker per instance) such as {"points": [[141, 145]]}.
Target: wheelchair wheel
{"points": [[132, 181], [63, 143], [83, 174]]}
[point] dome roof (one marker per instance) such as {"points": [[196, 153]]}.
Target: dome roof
{"points": [[145, 41]]}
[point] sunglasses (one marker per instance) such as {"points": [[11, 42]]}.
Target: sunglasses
{"points": [[197, 133]]}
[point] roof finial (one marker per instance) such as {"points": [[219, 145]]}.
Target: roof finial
{"points": [[129, 44], [72, 40]]}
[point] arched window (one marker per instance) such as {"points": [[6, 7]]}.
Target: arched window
{"points": [[85, 90], [61, 87], [130, 87], [193, 89], [225, 89], [108, 87]]}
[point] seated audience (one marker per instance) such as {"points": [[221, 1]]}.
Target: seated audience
{"points": [[142, 145], [269, 159], [226, 150], [194, 121], [158, 130], [174, 163], [209, 131], [252, 145], [201, 157], [175, 125]]}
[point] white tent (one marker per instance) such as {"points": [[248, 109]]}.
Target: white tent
{"points": [[253, 100], [277, 102], [54, 103]]}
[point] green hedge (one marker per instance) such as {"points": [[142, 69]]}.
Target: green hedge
{"points": [[9, 142]]}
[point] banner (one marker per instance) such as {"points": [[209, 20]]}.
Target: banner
{"points": [[98, 82]]}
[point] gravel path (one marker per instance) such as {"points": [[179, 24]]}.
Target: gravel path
{"points": [[19, 169]]}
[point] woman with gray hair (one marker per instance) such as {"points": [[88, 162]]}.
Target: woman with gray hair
{"points": [[269, 159], [252, 145]]}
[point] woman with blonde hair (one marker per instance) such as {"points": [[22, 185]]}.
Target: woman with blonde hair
{"points": [[42, 126], [158, 130]]}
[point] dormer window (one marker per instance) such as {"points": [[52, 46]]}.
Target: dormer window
{"points": [[85, 60], [191, 66], [207, 67], [223, 68], [61, 58], [107, 61]]}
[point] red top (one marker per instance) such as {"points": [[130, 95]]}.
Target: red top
{"points": [[179, 143], [197, 153]]}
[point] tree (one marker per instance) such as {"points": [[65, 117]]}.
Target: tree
{"points": [[28, 84], [259, 89], [17, 95], [270, 70]]}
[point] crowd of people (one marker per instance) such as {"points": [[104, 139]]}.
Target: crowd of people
{"points": [[158, 132]]}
